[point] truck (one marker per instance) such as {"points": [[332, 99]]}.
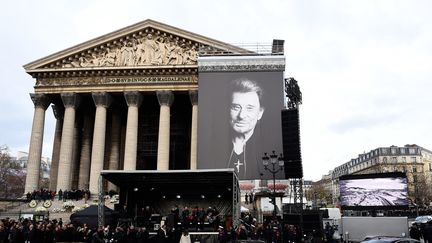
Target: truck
{"points": [[356, 229], [333, 217]]}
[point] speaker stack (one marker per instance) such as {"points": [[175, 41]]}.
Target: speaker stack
{"points": [[291, 143]]}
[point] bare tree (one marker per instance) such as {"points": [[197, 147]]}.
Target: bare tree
{"points": [[12, 177], [319, 195], [421, 193]]}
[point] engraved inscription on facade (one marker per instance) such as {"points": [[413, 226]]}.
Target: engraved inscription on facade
{"points": [[115, 80]]}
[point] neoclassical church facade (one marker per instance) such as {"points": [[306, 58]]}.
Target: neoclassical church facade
{"points": [[124, 101]]}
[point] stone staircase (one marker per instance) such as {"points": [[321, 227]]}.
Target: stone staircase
{"points": [[56, 210]]}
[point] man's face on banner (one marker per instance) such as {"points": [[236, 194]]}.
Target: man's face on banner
{"points": [[245, 111]]}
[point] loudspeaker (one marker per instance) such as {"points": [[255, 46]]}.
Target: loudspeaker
{"points": [[278, 47], [312, 222], [291, 143], [291, 219]]}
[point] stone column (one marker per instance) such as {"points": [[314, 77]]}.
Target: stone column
{"points": [[58, 114], [133, 99], [84, 169], [114, 156], [193, 95], [64, 180], [102, 101], [165, 98], [75, 159], [41, 102]]}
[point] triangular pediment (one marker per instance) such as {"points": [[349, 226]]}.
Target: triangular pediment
{"points": [[145, 44]]}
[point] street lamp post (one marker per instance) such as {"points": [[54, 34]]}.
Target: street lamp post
{"points": [[277, 164]]}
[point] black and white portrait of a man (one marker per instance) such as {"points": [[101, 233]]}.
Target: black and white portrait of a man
{"points": [[245, 111], [239, 120]]}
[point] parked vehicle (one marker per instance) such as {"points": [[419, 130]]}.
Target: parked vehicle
{"points": [[390, 239], [423, 219], [356, 229]]}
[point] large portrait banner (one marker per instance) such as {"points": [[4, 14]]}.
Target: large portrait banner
{"points": [[239, 119]]}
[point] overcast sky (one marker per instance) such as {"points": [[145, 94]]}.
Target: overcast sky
{"points": [[364, 67]]}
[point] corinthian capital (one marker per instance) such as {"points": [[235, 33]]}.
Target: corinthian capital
{"points": [[40, 100], [193, 95], [58, 111], [102, 99], [133, 98], [165, 97], [70, 100]]}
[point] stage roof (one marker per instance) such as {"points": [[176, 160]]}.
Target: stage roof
{"points": [[209, 181]]}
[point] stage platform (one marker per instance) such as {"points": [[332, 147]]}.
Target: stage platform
{"points": [[163, 191]]}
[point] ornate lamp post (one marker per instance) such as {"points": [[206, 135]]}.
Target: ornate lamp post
{"points": [[276, 164]]}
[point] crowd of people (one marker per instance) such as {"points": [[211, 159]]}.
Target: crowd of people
{"points": [[40, 195], [44, 194], [73, 195], [25, 230], [47, 231], [197, 217]]}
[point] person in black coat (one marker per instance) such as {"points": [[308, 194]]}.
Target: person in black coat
{"points": [[119, 235], [3, 234], [414, 231], [162, 235], [428, 232], [143, 235], [98, 236]]}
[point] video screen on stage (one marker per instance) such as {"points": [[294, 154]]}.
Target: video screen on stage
{"points": [[374, 190], [239, 119]]}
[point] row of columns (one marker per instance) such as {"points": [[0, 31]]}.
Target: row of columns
{"points": [[91, 160]]}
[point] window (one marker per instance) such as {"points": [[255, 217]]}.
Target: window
{"points": [[413, 159], [412, 150], [404, 159], [393, 150], [402, 150], [430, 167], [414, 169], [385, 160], [394, 160], [414, 178]]}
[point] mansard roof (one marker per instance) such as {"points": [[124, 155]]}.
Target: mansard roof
{"points": [[147, 44]]}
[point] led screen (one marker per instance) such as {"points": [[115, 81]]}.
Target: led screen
{"points": [[378, 190]]}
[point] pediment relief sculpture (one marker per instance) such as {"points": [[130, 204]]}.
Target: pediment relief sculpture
{"points": [[150, 49]]}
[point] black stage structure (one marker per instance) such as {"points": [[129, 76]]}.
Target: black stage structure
{"points": [[163, 190]]}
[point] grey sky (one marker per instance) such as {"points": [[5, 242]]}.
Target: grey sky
{"points": [[364, 67]]}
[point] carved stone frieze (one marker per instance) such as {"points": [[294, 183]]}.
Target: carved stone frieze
{"points": [[133, 98], [83, 81], [40, 100], [151, 48]]}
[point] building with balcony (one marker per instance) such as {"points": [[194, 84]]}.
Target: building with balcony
{"points": [[412, 159]]}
